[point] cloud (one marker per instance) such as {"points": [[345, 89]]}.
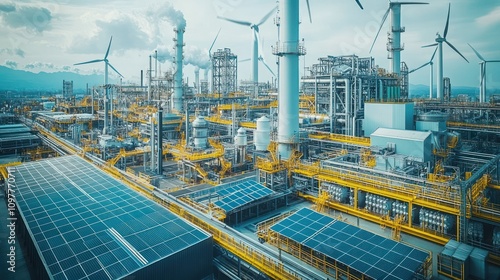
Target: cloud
{"points": [[7, 8], [16, 51], [489, 19], [125, 29], [40, 65], [11, 64], [37, 19]]}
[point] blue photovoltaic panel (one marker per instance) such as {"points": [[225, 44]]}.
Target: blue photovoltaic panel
{"points": [[368, 253], [85, 224], [241, 194]]}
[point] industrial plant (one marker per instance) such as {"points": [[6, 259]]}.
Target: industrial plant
{"points": [[335, 173]]}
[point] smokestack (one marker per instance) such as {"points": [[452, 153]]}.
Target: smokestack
{"points": [[178, 87], [149, 79], [289, 49], [142, 78], [197, 78]]}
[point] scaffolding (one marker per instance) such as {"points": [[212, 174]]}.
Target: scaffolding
{"points": [[224, 72]]}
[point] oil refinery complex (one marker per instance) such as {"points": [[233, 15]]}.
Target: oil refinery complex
{"points": [[336, 174]]}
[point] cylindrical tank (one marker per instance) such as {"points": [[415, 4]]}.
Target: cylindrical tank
{"points": [[241, 137], [262, 136], [200, 132]]}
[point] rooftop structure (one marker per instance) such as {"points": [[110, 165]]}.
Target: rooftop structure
{"points": [[80, 223]]}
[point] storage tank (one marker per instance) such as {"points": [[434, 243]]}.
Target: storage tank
{"points": [[241, 137], [240, 142], [262, 136], [200, 132]]}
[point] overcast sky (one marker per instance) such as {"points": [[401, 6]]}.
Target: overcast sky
{"points": [[53, 35]]}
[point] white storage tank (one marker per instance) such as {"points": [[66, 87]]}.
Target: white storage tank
{"points": [[200, 132], [241, 137], [262, 136]]}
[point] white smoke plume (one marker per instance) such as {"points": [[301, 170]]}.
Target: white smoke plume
{"points": [[166, 11]]}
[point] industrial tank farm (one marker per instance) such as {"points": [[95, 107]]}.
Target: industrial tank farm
{"points": [[334, 172]]}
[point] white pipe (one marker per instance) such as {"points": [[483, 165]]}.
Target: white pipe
{"points": [[149, 79], [197, 79]]}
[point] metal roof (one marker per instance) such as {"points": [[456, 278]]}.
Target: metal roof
{"points": [[370, 254], [87, 225], [401, 134]]}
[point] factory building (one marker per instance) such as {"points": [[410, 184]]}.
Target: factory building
{"points": [[75, 221]]}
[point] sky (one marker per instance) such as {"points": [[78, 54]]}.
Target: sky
{"points": [[40, 35]]}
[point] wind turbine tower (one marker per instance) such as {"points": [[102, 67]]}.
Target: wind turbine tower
{"points": [[394, 43], [439, 44], [482, 74], [255, 45], [106, 85]]}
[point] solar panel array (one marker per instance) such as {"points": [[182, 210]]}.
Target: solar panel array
{"points": [[367, 253], [241, 194], [87, 225]]}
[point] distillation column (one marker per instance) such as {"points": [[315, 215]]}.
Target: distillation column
{"points": [[395, 47], [178, 87]]}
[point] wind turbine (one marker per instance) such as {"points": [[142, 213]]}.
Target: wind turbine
{"points": [[482, 74], [210, 56], [106, 87], [255, 45], [394, 45], [439, 44], [431, 83]]}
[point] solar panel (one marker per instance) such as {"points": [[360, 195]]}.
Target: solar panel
{"points": [[367, 253], [241, 194], [85, 223]]}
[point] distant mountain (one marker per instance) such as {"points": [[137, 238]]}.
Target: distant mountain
{"points": [[423, 91], [19, 80]]}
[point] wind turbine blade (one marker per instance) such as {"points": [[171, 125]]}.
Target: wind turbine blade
{"points": [[212, 45], [419, 67], [476, 52], [447, 22], [309, 11], [359, 4], [431, 45], [434, 54], [266, 16], [88, 62], [411, 3], [109, 46], [244, 60], [115, 69], [380, 28], [267, 66], [455, 49], [246, 23], [492, 61]]}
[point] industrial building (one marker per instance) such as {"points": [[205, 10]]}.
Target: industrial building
{"points": [[77, 222]]}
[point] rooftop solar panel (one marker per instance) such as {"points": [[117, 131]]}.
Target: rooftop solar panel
{"points": [[367, 253], [87, 224], [241, 194]]}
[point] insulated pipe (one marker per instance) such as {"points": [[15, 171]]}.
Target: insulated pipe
{"points": [[178, 88], [288, 96]]}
